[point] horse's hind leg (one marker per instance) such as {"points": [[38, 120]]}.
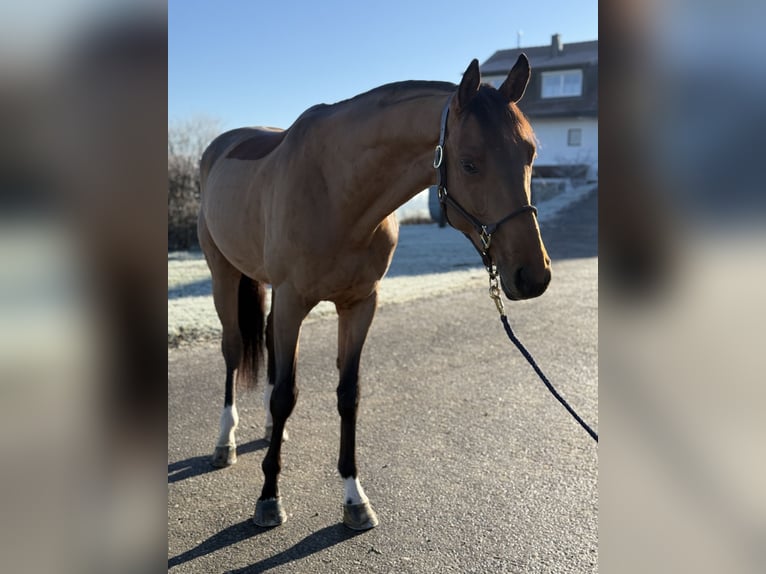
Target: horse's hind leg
{"points": [[225, 296], [288, 310], [354, 323]]}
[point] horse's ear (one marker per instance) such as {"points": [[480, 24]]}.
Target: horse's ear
{"points": [[469, 85], [514, 85]]}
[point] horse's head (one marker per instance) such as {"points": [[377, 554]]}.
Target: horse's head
{"points": [[488, 155]]}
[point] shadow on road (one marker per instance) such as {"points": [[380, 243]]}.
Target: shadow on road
{"points": [[198, 465], [226, 537], [201, 288], [313, 543], [574, 232]]}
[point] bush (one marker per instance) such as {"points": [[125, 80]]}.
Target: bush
{"points": [[183, 204], [186, 141]]}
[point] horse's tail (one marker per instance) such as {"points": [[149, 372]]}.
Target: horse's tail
{"points": [[251, 316]]}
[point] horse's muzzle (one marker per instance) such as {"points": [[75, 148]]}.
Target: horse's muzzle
{"points": [[526, 284]]}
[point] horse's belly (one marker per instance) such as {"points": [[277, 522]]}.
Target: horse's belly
{"points": [[232, 208]]}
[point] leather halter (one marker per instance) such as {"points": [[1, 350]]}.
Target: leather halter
{"points": [[484, 231]]}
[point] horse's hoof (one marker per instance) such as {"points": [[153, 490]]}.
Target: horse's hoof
{"points": [[270, 429], [269, 512], [224, 456], [359, 516]]}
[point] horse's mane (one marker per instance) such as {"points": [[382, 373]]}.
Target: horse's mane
{"points": [[382, 96], [398, 92]]}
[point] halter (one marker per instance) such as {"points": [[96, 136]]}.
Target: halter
{"points": [[484, 231]]}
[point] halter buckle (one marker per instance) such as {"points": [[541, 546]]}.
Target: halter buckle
{"points": [[486, 237]]}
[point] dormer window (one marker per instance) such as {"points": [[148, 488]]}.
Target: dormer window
{"points": [[562, 84]]}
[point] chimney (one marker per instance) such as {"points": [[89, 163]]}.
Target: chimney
{"points": [[557, 47]]}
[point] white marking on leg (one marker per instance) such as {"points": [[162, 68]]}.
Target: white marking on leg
{"points": [[229, 422], [267, 404], [353, 493]]}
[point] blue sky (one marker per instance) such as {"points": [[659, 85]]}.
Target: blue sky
{"points": [[262, 62]]}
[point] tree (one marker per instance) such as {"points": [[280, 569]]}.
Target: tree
{"points": [[187, 139]]}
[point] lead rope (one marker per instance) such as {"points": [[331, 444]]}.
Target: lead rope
{"points": [[494, 293]]}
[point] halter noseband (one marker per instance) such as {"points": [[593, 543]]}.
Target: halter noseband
{"points": [[484, 231]]}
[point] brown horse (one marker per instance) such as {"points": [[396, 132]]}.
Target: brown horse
{"points": [[308, 210]]}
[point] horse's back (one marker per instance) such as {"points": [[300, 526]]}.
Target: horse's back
{"points": [[258, 143], [242, 144]]}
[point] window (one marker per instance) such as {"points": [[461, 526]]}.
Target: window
{"points": [[574, 137], [563, 84]]}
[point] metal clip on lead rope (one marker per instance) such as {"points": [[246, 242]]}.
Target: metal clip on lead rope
{"points": [[494, 290]]}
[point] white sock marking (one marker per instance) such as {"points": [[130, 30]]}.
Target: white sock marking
{"points": [[229, 422], [353, 493]]}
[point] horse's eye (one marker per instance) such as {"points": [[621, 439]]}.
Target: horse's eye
{"points": [[469, 167]]}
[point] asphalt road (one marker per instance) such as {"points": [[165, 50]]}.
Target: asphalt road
{"points": [[470, 464]]}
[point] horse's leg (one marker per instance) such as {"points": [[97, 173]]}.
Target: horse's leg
{"points": [[270, 372], [288, 313], [271, 377], [353, 325], [225, 297]]}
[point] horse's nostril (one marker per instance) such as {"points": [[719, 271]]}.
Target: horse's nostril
{"points": [[520, 280], [528, 286]]}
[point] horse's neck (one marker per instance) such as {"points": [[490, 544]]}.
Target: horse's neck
{"points": [[391, 157]]}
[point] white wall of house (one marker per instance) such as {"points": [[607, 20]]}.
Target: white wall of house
{"points": [[415, 208], [558, 145]]}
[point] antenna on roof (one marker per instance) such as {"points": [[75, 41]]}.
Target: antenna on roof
{"points": [[519, 34]]}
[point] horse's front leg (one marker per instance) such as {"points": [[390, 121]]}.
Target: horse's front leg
{"points": [[271, 378], [354, 323], [288, 310]]}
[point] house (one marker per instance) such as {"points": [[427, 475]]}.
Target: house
{"points": [[561, 102]]}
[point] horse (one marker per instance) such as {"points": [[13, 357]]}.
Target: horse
{"points": [[310, 211]]}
